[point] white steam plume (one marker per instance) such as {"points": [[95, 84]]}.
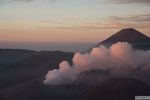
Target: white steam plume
{"points": [[120, 58]]}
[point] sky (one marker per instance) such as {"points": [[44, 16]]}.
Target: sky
{"points": [[68, 23]]}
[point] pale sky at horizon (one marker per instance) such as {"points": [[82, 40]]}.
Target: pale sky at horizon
{"points": [[70, 21]]}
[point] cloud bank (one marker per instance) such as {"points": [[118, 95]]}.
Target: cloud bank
{"points": [[133, 18], [24, 0], [107, 1], [29, 0], [130, 1], [120, 58]]}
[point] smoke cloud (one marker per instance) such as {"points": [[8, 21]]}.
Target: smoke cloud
{"points": [[121, 59]]}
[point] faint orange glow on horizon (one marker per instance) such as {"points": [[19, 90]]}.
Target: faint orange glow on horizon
{"points": [[76, 34]]}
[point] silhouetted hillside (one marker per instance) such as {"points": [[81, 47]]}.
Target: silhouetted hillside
{"points": [[36, 90], [8, 56], [119, 89], [137, 39], [128, 35], [32, 67]]}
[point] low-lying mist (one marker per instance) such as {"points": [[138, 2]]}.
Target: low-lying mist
{"points": [[120, 59], [47, 46]]}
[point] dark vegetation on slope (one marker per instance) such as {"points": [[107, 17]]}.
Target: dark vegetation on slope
{"points": [[118, 89], [32, 67], [8, 56]]}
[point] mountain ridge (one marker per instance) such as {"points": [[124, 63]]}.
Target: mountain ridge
{"points": [[137, 39], [129, 35]]}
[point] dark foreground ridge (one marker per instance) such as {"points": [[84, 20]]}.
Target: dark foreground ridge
{"points": [[119, 89]]}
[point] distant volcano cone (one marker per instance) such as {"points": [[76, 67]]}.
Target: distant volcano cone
{"points": [[119, 89], [137, 39], [127, 35]]}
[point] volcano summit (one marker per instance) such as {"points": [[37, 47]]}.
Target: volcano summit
{"points": [[129, 35], [137, 39]]}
